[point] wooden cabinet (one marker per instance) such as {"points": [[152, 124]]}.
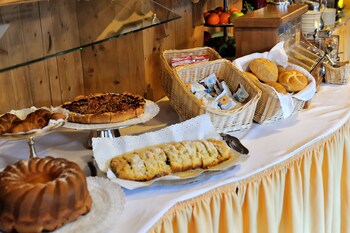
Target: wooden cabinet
{"points": [[260, 30]]}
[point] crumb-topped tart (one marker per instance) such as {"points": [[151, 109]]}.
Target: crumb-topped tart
{"points": [[105, 108]]}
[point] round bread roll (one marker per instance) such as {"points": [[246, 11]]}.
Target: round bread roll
{"points": [[293, 80], [250, 76], [280, 69], [278, 87], [265, 69]]}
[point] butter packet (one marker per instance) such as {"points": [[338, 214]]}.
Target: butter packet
{"points": [[209, 82], [241, 94], [205, 98], [195, 87], [224, 101]]}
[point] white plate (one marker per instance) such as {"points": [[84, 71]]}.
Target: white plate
{"points": [[108, 202], [52, 125], [151, 110]]}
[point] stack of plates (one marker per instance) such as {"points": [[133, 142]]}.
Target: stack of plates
{"points": [[310, 21]]}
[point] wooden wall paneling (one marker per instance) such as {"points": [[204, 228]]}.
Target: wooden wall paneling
{"points": [[92, 19], [33, 47], [14, 41], [66, 35], [157, 39], [49, 48], [197, 11], [122, 77], [99, 68], [152, 50], [136, 63], [97, 60], [7, 95], [184, 27], [7, 98]]}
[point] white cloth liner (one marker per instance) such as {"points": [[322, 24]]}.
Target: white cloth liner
{"points": [[279, 56]]}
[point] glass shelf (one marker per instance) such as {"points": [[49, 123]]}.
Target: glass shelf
{"points": [[32, 31]]}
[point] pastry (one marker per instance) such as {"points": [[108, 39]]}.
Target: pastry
{"points": [[42, 194], [156, 161], [250, 76], [278, 87], [105, 108], [265, 69], [293, 80], [280, 69], [7, 121]]}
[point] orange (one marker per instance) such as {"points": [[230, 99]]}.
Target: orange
{"points": [[213, 19], [234, 9], [224, 18]]}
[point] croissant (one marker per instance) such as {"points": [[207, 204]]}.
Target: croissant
{"points": [[39, 117], [57, 116], [24, 126], [7, 121]]}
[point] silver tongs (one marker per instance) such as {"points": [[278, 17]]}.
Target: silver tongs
{"points": [[234, 143]]}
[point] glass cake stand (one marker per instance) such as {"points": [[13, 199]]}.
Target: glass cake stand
{"points": [[30, 135], [111, 130]]}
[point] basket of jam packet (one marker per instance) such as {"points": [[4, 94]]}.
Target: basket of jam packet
{"points": [[218, 89], [172, 58]]}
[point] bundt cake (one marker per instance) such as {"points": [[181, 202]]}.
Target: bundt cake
{"points": [[41, 194]]}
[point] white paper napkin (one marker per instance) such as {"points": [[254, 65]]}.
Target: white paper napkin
{"points": [[104, 149]]}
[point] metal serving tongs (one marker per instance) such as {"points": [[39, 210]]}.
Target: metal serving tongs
{"points": [[333, 64], [234, 143]]}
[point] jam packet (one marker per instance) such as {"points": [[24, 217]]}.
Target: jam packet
{"points": [[190, 59], [180, 61]]}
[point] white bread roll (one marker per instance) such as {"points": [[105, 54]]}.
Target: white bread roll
{"points": [[278, 87], [265, 69], [293, 80]]}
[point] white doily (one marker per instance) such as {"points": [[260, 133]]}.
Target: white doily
{"points": [[108, 202], [151, 110]]}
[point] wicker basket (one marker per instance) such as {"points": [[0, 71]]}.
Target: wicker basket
{"points": [[189, 106], [167, 72], [337, 75], [269, 107]]}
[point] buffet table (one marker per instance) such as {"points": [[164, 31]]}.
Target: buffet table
{"points": [[295, 180]]}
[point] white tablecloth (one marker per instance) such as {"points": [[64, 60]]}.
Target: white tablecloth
{"points": [[268, 144]]}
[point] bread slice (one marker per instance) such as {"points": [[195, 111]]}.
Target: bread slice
{"points": [[195, 157], [155, 161]]}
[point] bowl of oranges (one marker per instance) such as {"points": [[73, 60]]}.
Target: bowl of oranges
{"points": [[221, 17]]}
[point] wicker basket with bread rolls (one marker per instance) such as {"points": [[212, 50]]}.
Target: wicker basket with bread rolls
{"points": [[277, 83]]}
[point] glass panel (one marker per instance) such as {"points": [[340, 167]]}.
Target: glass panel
{"points": [[37, 30]]}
